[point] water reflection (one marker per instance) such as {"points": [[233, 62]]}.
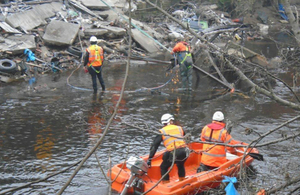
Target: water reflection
{"points": [[44, 142], [95, 119], [115, 97], [41, 135]]}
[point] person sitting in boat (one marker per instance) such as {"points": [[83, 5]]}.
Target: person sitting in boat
{"points": [[215, 155], [170, 143]]}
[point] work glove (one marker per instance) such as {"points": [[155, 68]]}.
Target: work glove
{"points": [[149, 163], [85, 69]]}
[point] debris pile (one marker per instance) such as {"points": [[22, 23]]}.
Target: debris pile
{"points": [[58, 32]]}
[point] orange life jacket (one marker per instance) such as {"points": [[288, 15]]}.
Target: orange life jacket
{"points": [[95, 55], [169, 141], [214, 155]]}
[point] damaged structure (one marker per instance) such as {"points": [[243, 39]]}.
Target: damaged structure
{"points": [[60, 30]]}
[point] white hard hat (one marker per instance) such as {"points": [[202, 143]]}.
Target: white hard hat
{"points": [[93, 39], [165, 119], [218, 116]]}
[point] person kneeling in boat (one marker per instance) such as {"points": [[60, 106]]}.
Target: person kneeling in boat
{"points": [[215, 155], [170, 143]]}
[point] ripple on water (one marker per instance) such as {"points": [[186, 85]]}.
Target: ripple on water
{"points": [[45, 134]]}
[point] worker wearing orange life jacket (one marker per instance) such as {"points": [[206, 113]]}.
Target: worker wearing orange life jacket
{"points": [[93, 60], [170, 143], [184, 58], [215, 155]]}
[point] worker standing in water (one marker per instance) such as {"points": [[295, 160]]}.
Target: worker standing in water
{"points": [[93, 61], [184, 57]]}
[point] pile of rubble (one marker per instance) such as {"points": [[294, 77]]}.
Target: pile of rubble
{"points": [[57, 33]]}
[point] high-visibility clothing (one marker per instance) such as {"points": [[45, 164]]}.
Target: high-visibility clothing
{"points": [[171, 142], [215, 155], [182, 47], [95, 55]]}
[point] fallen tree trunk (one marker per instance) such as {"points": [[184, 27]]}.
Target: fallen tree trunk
{"points": [[218, 51], [261, 90]]}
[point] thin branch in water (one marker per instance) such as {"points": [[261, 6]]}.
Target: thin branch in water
{"points": [[278, 140], [102, 171], [109, 165], [108, 124], [173, 161], [283, 186], [40, 180]]}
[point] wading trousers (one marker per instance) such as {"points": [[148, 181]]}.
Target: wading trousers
{"points": [[186, 70], [180, 158], [94, 75]]}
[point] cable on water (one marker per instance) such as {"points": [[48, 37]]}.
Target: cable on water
{"points": [[79, 88], [68, 83], [137, 90], [155, 88]]}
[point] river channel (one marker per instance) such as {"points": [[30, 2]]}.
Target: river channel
{"points": [[51, 128]]}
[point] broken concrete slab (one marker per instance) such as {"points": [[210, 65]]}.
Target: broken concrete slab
{"points": [[147, 43], [7, 28], [97, 4], [61, 33], [95, 32], [79, 5], [34, 17], [112, 16], [150, 30], [17, 44], [118, 3], [112, 29]]}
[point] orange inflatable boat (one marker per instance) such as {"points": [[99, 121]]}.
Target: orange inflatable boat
{"points": [[134, 176]]}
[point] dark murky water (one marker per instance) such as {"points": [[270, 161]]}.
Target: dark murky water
{"points": [[48, 130]]}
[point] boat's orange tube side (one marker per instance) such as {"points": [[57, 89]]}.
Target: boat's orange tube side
{"points": [[194, 182]]}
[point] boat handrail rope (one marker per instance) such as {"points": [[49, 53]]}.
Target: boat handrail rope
{"points": [[171, 167], [186, 138]]}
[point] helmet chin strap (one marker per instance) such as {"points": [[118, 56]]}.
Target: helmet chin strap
{"points": [[165, 124], [170, 122]]}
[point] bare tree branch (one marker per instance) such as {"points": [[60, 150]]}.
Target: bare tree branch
{"points": [[261, 90], [283, 186], [102, 171], [109, 121], [40, 180], [173, 161]]}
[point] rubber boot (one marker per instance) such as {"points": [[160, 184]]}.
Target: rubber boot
{"points": [[202, 168], [165, 181], [181, 178]]}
